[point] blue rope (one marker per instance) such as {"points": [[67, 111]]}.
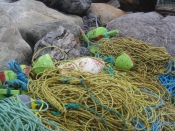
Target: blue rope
{"points": [[15, 67], [163, 124], [156, 126], [9, 91], [139, 126], [168, 80], [90, 46], [64, 80], [16, 116], [147, 91], [106, 34], [72, 106], [172, 68], [13, 83], [110, 60], [39, 103], [85, 51]]}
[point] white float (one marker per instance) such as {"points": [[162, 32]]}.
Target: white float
{"points": [[92, 65]]}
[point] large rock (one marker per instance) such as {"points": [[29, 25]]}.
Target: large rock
{"points": [[149, 27], [26, 13], [36, 32], [63, 40], [114, 3], [78, 7], [130, 1], [90, 21], [106, 11], [9, 1], [138, 5], [100, 1], [12, 46]]}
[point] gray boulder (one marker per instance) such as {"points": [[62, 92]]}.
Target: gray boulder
{"points": [[90, 21], [26, 13], [78, 7], [100, 1], [114, 3], [12, 46], [106, 12], [36, 32], [64, 41], [149, 27], [9, 1]]}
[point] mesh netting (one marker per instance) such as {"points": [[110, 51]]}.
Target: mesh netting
{"points": [[149, 27], [166, 3]]}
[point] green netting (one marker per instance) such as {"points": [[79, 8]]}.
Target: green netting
{"points": [[166, 3]]}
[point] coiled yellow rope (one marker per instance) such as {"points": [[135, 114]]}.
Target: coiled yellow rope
{"points": [[120, 92], [149, 82], [117, 93], [166, 114], [147, 58]]}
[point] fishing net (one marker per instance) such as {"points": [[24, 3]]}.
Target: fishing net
{"points": [[166, 113], [149, 27], [166, 3], [15, 116], [83, 101], [124, 100], [147, 58]]}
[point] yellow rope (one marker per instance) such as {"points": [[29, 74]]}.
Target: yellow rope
{"points": [[166, 113], [117, 93], [147, 58], [50, 55], [120, 92]]}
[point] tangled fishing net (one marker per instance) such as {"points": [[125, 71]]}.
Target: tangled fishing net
{"points": [[123, 100], [82, 101], [15, 116], [147, 58], [149, 27], [166, 115]]}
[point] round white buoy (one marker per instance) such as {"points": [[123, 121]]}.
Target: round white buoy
{"points": [[92, 65]]}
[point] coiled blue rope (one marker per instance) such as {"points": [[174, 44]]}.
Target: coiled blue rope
{"points": [[21, 80], [168, 80], [15, 83], [15, 67]]}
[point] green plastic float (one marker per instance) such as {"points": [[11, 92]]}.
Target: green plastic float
{"points": [[44, 62], [96, 35], [124, 62], [100, 32]]}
